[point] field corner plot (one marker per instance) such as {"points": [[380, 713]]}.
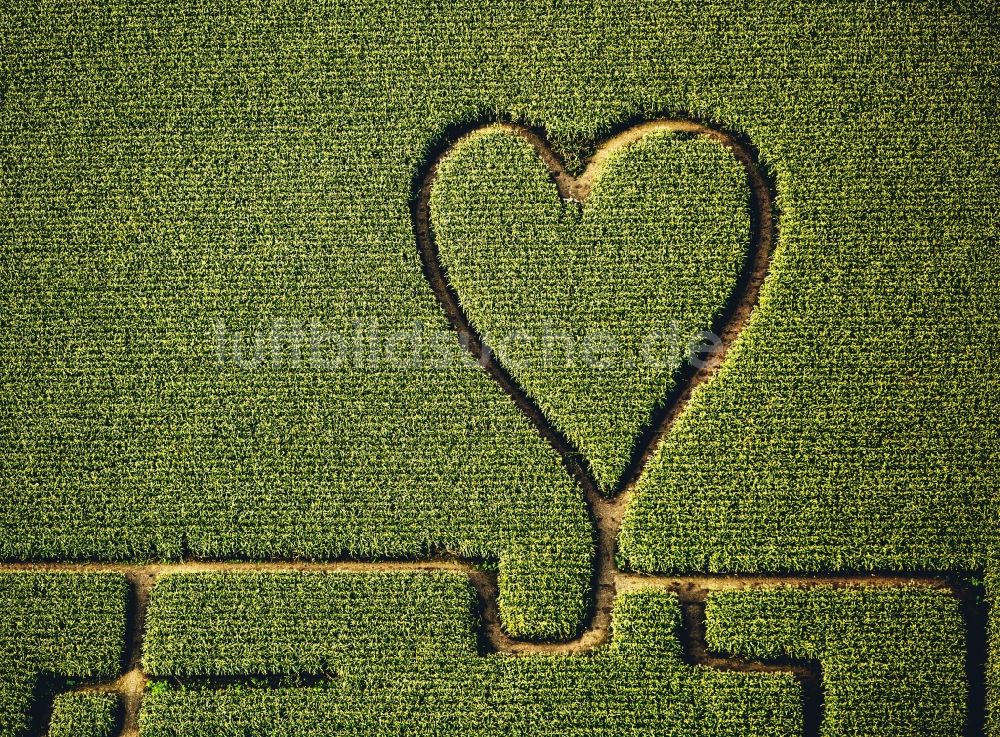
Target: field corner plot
{"points": [[57, 631], [894, 661]]}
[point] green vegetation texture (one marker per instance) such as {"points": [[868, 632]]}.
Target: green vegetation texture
{"points": [[82, 714], [301, 623], [398, 653], [56, 626], [892, 660], [210, 288], [175, 174]]}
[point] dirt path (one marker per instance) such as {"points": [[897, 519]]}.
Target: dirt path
{"points": [[689, 589], [606, 513]]}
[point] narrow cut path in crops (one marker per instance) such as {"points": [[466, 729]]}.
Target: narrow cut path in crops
{"points": [[691, 591], [607, 512]]}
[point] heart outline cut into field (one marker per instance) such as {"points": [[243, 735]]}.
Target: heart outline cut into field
{"points": [[727, 327]]}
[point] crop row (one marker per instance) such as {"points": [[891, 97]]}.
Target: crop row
{"points": [[66, 626], [395, 666], [893, 659], [217, 339], [830, 438], [293, 623]]}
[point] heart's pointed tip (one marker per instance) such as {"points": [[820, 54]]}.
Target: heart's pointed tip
{"points": [[596, 311]]}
